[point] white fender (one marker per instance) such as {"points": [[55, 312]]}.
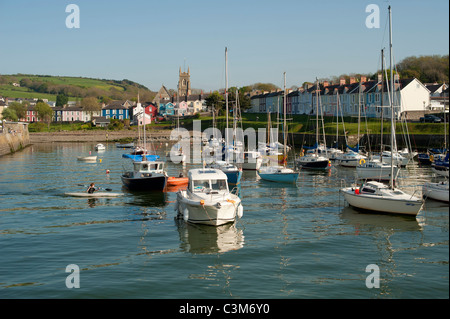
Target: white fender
{"points": [[240, 211], [185, 214]]}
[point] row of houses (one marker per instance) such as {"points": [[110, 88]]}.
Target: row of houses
{"points": [[369, 98]]}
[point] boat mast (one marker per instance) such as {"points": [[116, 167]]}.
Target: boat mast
{"points": [[381, 103], [317, 118], [226, 83], [392, 99], [284, 123]]}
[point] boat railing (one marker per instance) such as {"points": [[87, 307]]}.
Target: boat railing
{"points": [[235, 191]]}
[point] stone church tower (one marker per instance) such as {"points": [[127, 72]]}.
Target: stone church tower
{"points": [[184, 83]]}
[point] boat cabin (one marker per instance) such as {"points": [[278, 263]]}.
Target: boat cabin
{"points": [[207, 180], [146, 168]]}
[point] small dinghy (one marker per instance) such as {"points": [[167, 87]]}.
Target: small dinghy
{"points": [[93, 195], [177, 181], [87, 158]]}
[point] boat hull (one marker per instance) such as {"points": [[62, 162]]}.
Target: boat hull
{"points": [[319, 165], [381, 204], [192, 211], [375, 173], [279, 177], [93, 195], [436, 191], [234, 178], [177, 181], [154, 183]]}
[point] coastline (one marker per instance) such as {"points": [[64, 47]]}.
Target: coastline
{"points": [[94, 136]]}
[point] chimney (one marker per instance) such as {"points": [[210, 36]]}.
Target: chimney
{"points": [[363, 79], [380, 77], [352, 80], [325, 84], [342, 81]]}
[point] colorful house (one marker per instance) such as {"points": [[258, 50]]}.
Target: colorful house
{"points": [[166, 109], [117, 110]]}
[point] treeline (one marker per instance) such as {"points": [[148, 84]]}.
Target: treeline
{"points": [[427, 69]]}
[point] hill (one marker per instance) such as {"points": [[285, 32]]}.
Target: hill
{"points": [[47, 86]]}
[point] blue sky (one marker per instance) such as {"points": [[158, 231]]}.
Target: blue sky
{"points": [[148, 41]]}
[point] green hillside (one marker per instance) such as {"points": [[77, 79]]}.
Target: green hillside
{"points": [[76, 88]]}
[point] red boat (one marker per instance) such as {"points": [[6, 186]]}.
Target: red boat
{"points": [[177, 181]]}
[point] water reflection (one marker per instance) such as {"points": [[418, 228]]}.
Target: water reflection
{"points": [[365, 221], [148, 199], [204, 239]]}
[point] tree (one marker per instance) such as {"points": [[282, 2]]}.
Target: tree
{"points": [[44, 112], [10, 114], [19, 109], [215, 100], [61, 99], [90, 105]]}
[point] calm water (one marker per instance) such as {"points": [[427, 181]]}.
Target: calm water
{"points": [[292, 242]]}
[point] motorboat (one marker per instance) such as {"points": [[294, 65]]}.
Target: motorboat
{"points": [[100, 147], [375, 170], [125, 145], [313, 161], [378, 197], [139, 150], [350, 159], [398, 159], [207, 199], [440, 164], [232, 172], [145, 176], [437, 191], [278, 174]]}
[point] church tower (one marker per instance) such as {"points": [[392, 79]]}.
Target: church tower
{"points": [[184, 83]]}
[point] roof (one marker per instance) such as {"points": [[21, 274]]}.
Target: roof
{"points": [[206, 174]]}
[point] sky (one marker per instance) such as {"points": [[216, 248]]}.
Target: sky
{"points": [[147, 41]]}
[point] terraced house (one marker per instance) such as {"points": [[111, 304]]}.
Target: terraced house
{"points": [[121, 110], [368, 98]]}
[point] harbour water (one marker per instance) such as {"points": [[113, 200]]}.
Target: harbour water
{"points": [[292, 242]]}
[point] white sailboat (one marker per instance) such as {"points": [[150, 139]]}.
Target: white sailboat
{"points": [[313, 160], [374, 168], [233, 173], [277, 173], [437, 191], [353, 158], [378, 197]]}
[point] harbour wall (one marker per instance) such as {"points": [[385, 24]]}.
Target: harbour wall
{"points": [[14, 136]]}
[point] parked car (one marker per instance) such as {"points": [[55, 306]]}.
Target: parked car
{"points": [[429, 118]]}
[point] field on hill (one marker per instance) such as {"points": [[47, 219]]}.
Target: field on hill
{"points": [[48, 87]]}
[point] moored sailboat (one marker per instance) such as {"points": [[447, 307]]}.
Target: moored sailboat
{"points": [[278, 173], [378, 197]]}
